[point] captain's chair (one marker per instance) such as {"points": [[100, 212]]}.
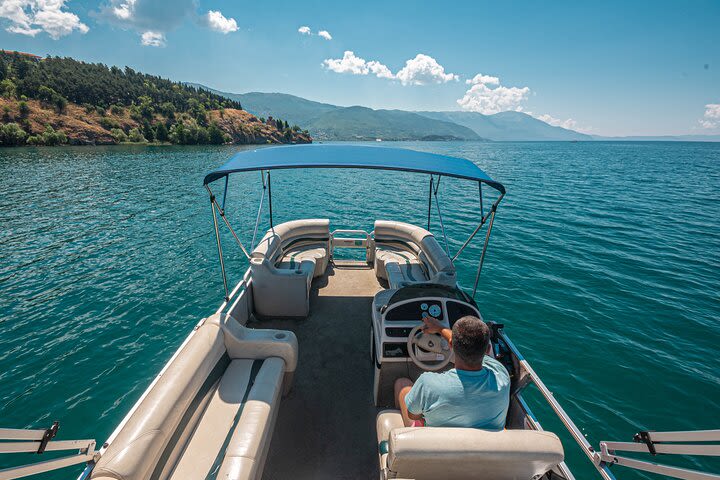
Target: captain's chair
{"points": [[421, 453]]}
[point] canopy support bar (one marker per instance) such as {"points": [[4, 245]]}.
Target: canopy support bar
{"points": [[219, 244], [269, 198], [482, 209], [485, 245], [442, 225], [222, 215], [430, 201], [262, 197], [227, 180], [477, 229]]}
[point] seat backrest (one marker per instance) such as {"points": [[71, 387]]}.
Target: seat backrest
{"points": [[389, 231], [431, 453], [436, 256], [282, 235], [136, 451], [420, 239]]}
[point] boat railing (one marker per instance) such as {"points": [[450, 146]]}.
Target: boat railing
{"points": [[645, 442], [16, 440], [357, 239]]}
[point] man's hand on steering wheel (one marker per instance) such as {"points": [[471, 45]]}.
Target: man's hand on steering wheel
{"points": [[432, 325]]}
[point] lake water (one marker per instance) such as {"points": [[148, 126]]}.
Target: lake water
{"points": [[604, 266]]}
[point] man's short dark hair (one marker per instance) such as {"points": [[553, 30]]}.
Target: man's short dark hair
{"points": [[470, 337]]}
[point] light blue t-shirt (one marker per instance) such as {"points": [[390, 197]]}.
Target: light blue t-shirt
{"points": [[463, 398]]}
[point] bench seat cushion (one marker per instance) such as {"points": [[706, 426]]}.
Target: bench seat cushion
{"points": [[247, 450], [399, 267], [216, 422]]}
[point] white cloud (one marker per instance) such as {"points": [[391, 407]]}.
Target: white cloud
{"points": [[483, 99], [30, 17], [423, 70], [124, 10], [712, 110], [711, 119], [351, 64], [305, 30], [484, 79], [325, 34], [379, 70], [153, 39], [217, 21]]}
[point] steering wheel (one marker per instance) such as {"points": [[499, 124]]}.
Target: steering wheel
{"points": [[428, 342]]}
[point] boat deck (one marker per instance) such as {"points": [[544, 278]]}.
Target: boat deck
{"points": [[326, 425]]}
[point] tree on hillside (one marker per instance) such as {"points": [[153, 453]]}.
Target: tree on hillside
{"points": [[217, 137], [161, 133], [11, 134]]}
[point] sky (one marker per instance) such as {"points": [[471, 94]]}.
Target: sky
{"points": [[606, 68]]}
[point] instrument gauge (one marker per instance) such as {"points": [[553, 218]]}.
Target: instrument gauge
{"points": [[434, 311]]}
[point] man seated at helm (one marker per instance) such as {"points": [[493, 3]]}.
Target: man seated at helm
{"points": [[474, 394]]}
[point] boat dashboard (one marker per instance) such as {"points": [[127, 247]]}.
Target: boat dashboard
{"points": [[393, 322]]}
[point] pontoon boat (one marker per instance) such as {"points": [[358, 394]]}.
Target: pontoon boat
{"points": [[281, 381]]}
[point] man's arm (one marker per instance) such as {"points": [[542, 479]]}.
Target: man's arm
{"points": [[406, 414], [433, 325]]}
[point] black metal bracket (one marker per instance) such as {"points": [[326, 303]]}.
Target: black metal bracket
{"points": [[495, 328], [644, 437], [47, 436]]}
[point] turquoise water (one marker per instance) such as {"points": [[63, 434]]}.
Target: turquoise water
{"points": [[603, 265]]}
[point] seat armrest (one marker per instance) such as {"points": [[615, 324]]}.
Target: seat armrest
{"points": [[250, 343]]}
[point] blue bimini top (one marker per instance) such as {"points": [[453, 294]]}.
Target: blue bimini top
{"points": [[352, 156]]}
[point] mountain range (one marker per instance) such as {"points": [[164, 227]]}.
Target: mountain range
{"points": [[332, 122], [325, 121]]}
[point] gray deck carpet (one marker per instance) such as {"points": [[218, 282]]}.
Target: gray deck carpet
{"points": [[326, 425]]}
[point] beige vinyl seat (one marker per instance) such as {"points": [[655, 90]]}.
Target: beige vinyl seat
{"points": [[214, 407], [284, 263], [406, 254], [421, 453]]}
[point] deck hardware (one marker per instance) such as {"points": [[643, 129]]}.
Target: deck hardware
{"points": [[644, 437], [49, 435]]}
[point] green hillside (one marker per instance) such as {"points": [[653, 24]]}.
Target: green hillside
{"points": [[361, 123], [53, 100], [296, 110]]}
